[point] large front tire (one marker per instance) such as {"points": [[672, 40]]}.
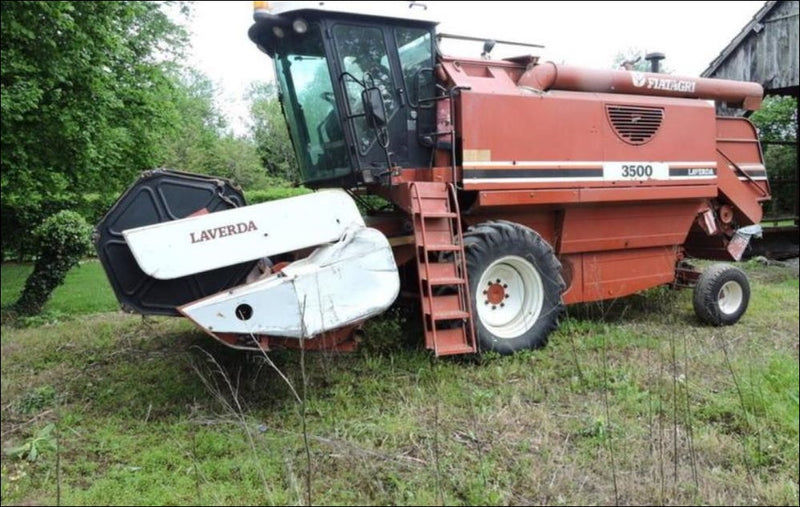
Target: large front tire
{"points": [[721, 295], [515, 286]]}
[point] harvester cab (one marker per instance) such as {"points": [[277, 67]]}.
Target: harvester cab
{"points": [[350, 88], [516, 187]]}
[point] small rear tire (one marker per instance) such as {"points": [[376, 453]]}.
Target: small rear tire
{"points": [[721, 295]]}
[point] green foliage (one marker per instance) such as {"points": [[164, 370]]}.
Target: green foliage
{"points": [[273, 194], [197, 125], [237, 158], [777, 119], [200, 141], [273, 144], [777, 122], [93, 205], [93, 93], [64, 239], [388, 333], [41, 441], [781, 163], [36, 400], [86, 102]]}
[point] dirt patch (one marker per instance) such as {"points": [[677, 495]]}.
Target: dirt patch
{"points": [[794, 265], [774, 270]]}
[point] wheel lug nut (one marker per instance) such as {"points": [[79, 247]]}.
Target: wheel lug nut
{"points": [[494, 307], [502, 305], [486, 302], [486, 292], [498, 280], [505, 285]]}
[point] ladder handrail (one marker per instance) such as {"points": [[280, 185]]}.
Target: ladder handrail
{"points": [[462, 253]]}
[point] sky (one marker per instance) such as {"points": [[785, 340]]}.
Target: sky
{"points": [[590, 34]]}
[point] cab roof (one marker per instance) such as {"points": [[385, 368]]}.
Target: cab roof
{"points": [[416, 11]]}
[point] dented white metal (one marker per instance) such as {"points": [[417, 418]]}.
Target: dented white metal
{"points": [[200, 243], [339, 284]]}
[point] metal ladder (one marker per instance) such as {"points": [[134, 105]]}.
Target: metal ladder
{"points": [[442, 269]]}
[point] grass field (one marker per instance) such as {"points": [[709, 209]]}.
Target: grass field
{"points": [[633, 402], [85, 290]]}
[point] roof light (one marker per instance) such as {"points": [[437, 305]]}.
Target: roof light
{"points": [[300, 25], [260, 7], [278, 31]]}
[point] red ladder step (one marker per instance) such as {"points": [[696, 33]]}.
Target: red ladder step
{"points": [[442, 273], [453, 341], [428, 189], [444, 308], [442, 247], [439, 214]]}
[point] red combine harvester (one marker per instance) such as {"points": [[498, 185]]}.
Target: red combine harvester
{"points": [[516, 187]]}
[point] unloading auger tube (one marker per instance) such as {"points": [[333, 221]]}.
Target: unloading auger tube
{"points": [[550, 76]]}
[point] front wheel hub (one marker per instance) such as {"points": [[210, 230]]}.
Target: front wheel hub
{"points": [[512, 293], [496, 294]]}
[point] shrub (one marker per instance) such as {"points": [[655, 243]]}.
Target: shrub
{"points": [[272, 194], [63, 239]]}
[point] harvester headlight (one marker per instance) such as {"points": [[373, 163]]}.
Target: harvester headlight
{"points": [[278, 31], [300, 25]]}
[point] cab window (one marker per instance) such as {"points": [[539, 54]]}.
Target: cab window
{"points": [[363, 58], [416, 52]]}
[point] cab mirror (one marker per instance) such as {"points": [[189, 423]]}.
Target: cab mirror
{"points": [[374, 109]]}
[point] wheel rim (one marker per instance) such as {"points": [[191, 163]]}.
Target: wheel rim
{"points": [[730, 297], [509, 297]]}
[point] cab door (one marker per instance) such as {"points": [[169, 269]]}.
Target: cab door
{"points": [[366, 56]]}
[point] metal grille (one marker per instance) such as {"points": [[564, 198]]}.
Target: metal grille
{"points": [[635, 124]]}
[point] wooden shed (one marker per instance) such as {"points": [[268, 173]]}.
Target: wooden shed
{"points": [[766, 51]]}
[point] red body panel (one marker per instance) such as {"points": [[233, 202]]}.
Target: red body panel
{"points": [[552, 160], [561, 140], [626, 226], [612, 274]]}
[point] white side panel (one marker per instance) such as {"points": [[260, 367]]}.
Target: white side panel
{"points": [[195, 244], [336, 285]]}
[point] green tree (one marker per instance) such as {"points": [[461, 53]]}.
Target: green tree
{"points": [[777, 127], [198, 125], [86, 98], [237, 158], [202, 142], [270, 134], [64, 239], [777, 119]]}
